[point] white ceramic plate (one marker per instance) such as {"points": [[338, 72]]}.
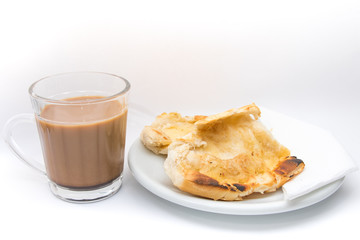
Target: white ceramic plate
{"points": [[147, 168]]}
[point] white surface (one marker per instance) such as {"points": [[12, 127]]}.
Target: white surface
{"points": [[312, 144], [148, 170], [300, 58]]}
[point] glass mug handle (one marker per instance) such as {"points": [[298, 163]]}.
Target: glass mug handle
{"points": [[10, 126]]}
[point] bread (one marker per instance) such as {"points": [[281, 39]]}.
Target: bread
{"points": [[226, 156], [166, 128]]}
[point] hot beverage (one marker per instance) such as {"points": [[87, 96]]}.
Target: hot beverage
{"points": [[83, 144]]}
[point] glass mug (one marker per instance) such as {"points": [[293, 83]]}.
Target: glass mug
{"points": [[81, 121]]}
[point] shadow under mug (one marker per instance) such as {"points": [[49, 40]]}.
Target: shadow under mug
{"points": [[81, 120]]}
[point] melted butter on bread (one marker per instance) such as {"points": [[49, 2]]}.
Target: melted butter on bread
{"points": [[225, 156], [167, 128]]}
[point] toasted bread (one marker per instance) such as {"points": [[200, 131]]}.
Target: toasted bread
{"points": [[225, 156], [167, 128]]}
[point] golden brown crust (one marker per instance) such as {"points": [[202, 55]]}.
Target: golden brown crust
{"points": [[167, 128], [288, 169], [202, 185], [250, 111], [239, 157], [226, 156]]}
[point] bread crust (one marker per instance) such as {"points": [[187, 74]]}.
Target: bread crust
{"points": [[239, 157], [167, 128], [202, 185], [226, 156]]}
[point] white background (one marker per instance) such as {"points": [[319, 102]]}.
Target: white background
{"points": [[301, 58]]}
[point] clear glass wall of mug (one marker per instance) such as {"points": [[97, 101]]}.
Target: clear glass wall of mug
{"points": [[81, 120]]}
